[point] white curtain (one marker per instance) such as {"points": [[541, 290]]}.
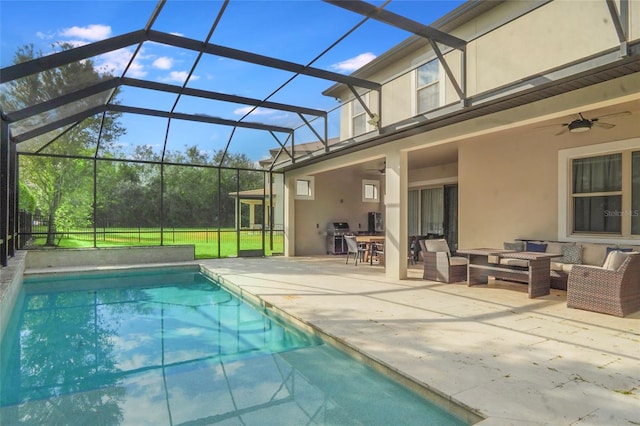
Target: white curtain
{"points": [[433, 211], [413, 212]]}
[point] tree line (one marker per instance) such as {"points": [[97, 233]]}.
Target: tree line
{"points": [[62, 178]]}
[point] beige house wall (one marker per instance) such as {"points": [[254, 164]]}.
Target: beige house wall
{"points": [[398, 103], [508, 183], [436, 175], [543, 39]]}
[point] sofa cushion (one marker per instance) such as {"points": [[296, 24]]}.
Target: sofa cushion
{"points": [[458, 260], [437, 245], [556, 266], [536, 247], [517, 246], [615, 259], [572, 254], [610, 250], [514, 262]]}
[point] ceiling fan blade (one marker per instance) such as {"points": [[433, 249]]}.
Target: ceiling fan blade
{"points": [[615, 114], [603, 125], [563, 131], [551, 125]]}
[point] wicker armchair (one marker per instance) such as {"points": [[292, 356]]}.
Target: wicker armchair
{"points": [[439, 265], [613, 292]]}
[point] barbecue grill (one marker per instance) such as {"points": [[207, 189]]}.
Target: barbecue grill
{"points": [[336, 243]]}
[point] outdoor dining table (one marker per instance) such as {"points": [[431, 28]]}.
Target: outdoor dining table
{"points": [[370, 241], [485, 262]]}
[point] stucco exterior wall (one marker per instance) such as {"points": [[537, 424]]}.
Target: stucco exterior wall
{"points": [[440, 174], [541, 40], [397, 99], [508, 184]]}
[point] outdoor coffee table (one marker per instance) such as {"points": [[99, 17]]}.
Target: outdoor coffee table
{"points": [[536, 274]]}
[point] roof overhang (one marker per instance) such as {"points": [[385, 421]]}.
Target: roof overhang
{"points": [[597, 69]]}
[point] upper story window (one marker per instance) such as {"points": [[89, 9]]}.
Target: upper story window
{"points": [[428, 86], [600, 194], [359, 116], [305, 188]]}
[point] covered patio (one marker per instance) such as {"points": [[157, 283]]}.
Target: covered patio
{"points": [[506, 358]]}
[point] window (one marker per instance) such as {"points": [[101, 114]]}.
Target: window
{"points": [[428, 87], [599, 192], [305, 188], [359, 116], [370, 191]]}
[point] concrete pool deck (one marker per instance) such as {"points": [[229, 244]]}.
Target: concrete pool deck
{"points": [[513, 360]]}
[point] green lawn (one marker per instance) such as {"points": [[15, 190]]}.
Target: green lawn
{"points": [[205, 240]]}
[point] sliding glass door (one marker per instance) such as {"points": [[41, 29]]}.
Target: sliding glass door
{"points": [[433, 212]]}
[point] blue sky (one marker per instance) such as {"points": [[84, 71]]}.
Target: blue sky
{"points": [[296, 31]]}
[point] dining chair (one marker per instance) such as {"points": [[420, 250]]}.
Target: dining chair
{"points": [[353, 247]]}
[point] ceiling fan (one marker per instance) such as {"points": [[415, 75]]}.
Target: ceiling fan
{"points": [[380, 170], [582, 124]]}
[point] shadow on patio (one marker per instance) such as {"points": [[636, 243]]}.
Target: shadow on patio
{"points": [[490, 348]]}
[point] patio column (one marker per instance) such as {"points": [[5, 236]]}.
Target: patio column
{"points": [[395, 201], [289, 216]]}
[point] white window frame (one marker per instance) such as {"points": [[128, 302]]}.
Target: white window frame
{"points": [[311, 184], [437, 82], [565, 196], [376, 185], [355, 103]]}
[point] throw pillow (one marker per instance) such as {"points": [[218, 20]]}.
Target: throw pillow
{"points": [[517, 246], [537, 247], [572, 254]]}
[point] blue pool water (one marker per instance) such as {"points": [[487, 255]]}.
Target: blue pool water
{"points": [[173, 347]]}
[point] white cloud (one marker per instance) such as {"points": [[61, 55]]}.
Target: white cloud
{"points": [[44, 36], [178, 77], [163, 63], [353, 64], [90, 33], [116, 61], [259, 111]]}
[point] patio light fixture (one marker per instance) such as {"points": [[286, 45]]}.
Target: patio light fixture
{"points": [[580, 126]]}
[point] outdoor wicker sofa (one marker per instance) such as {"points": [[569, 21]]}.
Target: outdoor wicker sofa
{"points": [[571, 254]]}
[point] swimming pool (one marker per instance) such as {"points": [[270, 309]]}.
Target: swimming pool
{"points": [[170, 346]]}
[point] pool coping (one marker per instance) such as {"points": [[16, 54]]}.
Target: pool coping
{"points": [[440, 399]]}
